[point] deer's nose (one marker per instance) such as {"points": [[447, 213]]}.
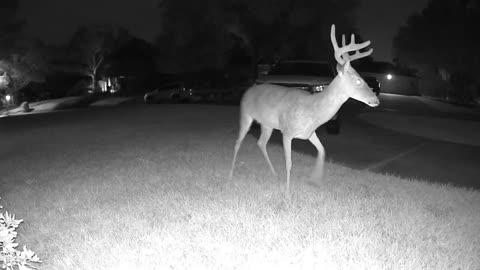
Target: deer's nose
{"points": [[374, 102]]}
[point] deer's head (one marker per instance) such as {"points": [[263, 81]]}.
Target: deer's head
{"points": [[350, 82]]}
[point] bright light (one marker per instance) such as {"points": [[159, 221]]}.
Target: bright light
{"points": [[389, 76], [8, 97], [318, 88]]}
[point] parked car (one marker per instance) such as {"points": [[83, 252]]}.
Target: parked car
{"points": [[170, 88], [207, 85], [217, 85], [311, 76]]}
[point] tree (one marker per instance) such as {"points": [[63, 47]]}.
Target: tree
{"points": [[286, 29], [10, 26], [130, 65], [198, 34], [89, 47], [132, 57], [190, 40], [21, 59], [27, 62], [444, 36]]}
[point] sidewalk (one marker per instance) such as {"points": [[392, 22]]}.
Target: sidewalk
{"points": [[448, 108], [447, 122], [441, 129], [63, 103]]}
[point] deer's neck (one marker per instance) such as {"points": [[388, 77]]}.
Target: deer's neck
{"points": [[330, 100]]}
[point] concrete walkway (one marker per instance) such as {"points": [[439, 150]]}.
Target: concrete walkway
{"points": [[435, 120], [66, 102], [434, 128], [420, 138]]}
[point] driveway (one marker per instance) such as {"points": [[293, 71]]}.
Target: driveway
{"points": [[411, 137]]}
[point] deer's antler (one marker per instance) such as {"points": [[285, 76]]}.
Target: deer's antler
{"points": [[341, 54]]}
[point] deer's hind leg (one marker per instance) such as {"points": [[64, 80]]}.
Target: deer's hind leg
{"points": [[245, 123], [287, 148], [262, 144]]}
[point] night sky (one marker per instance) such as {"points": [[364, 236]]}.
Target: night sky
{"points": [[379, 20], [55, 20]]}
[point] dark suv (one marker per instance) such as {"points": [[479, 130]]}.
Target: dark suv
{"points": [[312, 76]]}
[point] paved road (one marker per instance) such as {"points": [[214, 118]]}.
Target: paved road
{"points": [[364, 145]]}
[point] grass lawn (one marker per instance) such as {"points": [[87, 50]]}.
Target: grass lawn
{"points": [[145, 187]]}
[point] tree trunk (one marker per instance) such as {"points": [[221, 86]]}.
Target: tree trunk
{"points": [[93, 82]]}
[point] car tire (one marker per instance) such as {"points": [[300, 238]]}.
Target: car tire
{"points": [[149, 100], [333, 127]]}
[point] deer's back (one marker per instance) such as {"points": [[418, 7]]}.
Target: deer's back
{"points": [[267, 103]]}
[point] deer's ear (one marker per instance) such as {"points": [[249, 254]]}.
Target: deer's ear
{"points": [[347, 66], [339, 69]]}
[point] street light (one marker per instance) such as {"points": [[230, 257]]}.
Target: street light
{"points": [[8, 97]]}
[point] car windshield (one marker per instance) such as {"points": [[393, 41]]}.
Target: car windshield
{"points": [[302, 68], [171, 85]]}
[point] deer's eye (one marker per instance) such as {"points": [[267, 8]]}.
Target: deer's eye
{"points": [[358, 82]]}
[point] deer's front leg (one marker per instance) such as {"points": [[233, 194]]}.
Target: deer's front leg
{"points": [[287, 148], [262, 143], [318, 172]]}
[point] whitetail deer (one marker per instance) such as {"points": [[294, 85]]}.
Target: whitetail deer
{"points": [[297, 113]]}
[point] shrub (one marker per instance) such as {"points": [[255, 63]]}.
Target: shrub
{"points": [[10, 257]]}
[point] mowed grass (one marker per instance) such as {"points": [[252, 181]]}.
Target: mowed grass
{"points": [[145, 187]]}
